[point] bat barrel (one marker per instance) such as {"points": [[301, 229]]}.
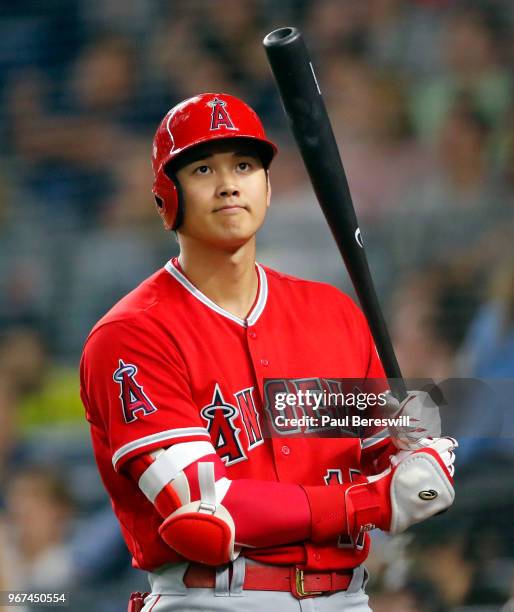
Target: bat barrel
{"points": [[305, 108], [298, 86], [309, 121]]}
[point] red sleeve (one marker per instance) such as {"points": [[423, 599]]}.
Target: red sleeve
{"points": [[135, 387]]}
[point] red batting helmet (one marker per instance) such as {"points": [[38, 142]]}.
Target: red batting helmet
{"points": [[206, 117]]}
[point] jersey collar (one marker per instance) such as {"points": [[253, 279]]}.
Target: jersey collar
{"points": [[256, 310]]}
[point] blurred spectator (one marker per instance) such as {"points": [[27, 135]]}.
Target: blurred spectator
{"points": [[509, 606], [132, 19], [488, 351], [476, 342], [26, 284], [45, 392], [177, 74], [441, 218], [132, 204], [35, 531], [36, 35], [104, 78], [412, 598], [430, 315], [4, 198], [229, 34], [447, 566], [99, 551], [508, 170], [67, 154], [24, 359], [8, 432], [371, 122], [127, 245], [460, 560], [198, 71], [405, 35], [464, 554], [333, 26], [473, 39]]}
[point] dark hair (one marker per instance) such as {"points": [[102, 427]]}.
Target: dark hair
{"points": [[262, 151]]}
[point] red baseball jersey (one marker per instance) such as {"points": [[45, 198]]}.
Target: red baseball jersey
{"points": [[167, 365]]}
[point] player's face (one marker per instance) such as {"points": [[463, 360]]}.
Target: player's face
{"points": [[226, 193]]}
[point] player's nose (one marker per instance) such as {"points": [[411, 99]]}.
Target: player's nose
{"points": [[227, 190]]}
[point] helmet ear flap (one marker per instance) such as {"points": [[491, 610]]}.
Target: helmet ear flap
{"points": [[169, 171], [167, 198]]}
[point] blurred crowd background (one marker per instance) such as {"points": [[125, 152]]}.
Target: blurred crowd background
{"points": [[420, 94]]}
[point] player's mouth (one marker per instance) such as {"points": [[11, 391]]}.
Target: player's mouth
{"points": [[230, 209]]}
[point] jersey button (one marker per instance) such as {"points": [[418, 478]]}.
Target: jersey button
{"points": [[264, 363], [286, 450], [252, 334]]}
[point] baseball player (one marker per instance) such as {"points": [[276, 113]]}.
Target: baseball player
{"points": [[172, 380]]}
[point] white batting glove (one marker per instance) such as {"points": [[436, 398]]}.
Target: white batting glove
{"points": [[417, 485], [445, 447], [419, 488], [424, 420]]}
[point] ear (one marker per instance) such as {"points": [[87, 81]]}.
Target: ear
{"points": [[164, 214], [268, 191]]}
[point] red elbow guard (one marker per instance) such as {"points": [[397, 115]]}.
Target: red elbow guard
{"points": [[200, 534]]}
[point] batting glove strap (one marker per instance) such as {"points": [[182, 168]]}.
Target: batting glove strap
{"points": [[365, 509], [328, 511]]}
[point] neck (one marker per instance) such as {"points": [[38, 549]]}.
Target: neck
{"points": [[227, 277]]}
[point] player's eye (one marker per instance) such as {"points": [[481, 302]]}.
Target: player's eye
{"points": [[202, 169], [244, 166]]}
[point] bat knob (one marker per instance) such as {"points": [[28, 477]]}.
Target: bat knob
{"points": [[282, 37]]}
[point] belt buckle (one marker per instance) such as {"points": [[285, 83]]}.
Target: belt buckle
{"points": [[300, 585]]}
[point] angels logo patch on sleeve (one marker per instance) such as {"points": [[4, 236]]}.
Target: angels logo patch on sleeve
{"points": [[132, 395]]}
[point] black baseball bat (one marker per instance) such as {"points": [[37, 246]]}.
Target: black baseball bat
{"points": [[308, 117]]}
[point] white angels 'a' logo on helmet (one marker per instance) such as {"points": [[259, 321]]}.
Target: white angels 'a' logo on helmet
{"points": [[219, 115]]}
